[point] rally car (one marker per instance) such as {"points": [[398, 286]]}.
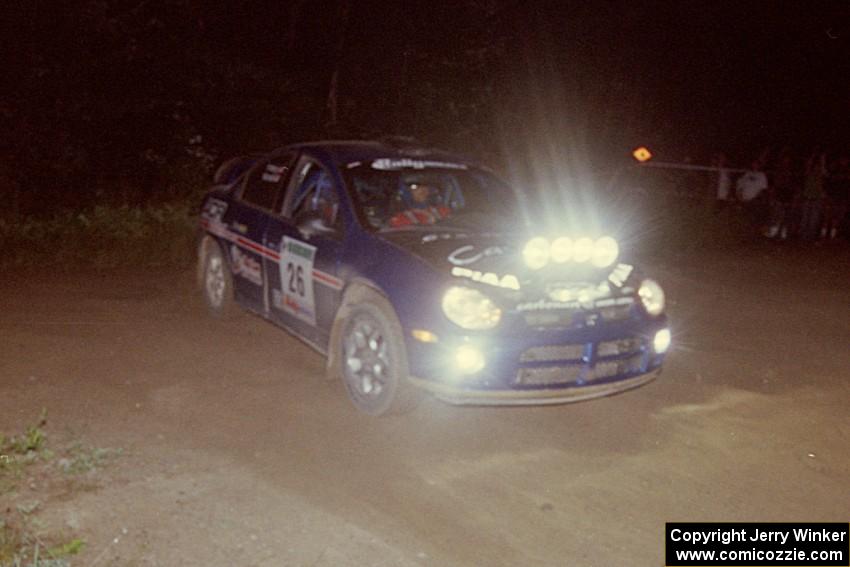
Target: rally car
{"points": [[409, 269]]}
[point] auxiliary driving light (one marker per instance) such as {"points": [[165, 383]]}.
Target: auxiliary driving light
{"points": [[661, 342], [468, 359], [562, 250], [605, 252], [536, 253], [583, 249]]}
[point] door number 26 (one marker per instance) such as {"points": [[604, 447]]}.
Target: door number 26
{"points": [[296, 278]]}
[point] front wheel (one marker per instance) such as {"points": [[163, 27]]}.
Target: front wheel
{"points": [[216, 281], [371, 356]]}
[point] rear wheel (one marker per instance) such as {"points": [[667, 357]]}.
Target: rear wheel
{"points": [[369, 354], [216, 281]]}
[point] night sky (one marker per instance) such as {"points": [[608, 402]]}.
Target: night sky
{"points": [[684, 75], [102, 88]]}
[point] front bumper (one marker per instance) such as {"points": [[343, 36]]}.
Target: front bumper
{"points": [[542, 366], [549, 396]]}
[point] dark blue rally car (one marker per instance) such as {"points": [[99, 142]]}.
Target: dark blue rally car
{"points": [[408, 268]]}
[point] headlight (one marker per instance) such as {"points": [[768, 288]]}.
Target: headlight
{"points": [[470, 309], [652, 297], [536, 253], [605, 251]]}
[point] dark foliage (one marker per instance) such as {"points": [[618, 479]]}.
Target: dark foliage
{"points": [[134, 101]]}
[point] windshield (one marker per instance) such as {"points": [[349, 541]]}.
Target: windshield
{"points": [[458, 198]]}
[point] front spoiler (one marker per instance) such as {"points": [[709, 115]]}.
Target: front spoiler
{"points": [[549, 396]]}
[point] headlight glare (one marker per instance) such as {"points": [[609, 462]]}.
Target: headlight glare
{"points": [[661, 341], [562, 250], [536, 253], [469, 360], [583, 250], [652, 297], [605, 252], [539, 251], [470, 309]]}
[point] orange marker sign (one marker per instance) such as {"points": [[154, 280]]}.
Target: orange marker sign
{"points": [[642, 154]]}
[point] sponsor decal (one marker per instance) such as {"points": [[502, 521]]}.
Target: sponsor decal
{"points": [[546, 305], [407, 163], [245, 266], [221, 230], [443, 236], [611, 301], [507, 281], [620, 274], [468, 254], [297, 308]]}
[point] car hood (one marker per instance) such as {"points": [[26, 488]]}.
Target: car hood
{"points": [[494, 261]]}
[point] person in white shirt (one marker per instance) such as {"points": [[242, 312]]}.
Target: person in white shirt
{"points": [[751, 192], [751, 184]]}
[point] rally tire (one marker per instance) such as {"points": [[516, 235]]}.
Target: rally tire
{"points": [[369, 355], [216, 281]]}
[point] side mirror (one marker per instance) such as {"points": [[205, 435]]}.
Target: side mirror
{"points": [[310, 223]]}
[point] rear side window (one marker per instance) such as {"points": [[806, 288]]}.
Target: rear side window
{"points": [[265, 181]]}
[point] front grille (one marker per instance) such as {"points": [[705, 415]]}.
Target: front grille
{"points": [[608, 368], [618, 347], [549, 375], [552, 375], [553, 352]]}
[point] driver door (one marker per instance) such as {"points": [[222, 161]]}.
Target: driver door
{"points": [[305, 289]]}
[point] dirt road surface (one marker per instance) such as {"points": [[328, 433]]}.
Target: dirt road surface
{"points": [[237, 452]]}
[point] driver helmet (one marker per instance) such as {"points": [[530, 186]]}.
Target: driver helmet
{"points": [[419, 193]]}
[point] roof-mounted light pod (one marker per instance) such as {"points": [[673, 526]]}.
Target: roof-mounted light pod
{"points": [[539, 252]]}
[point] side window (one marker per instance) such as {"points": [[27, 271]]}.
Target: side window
{"points": [[265, 181], [313, 191]]}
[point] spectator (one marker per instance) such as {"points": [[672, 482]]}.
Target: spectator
{"points": [[751, 183], [751, 191], [813, 195], [783, 195], [837, 197], [724, 182]]}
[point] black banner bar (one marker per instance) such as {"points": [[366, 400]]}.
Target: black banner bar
{"points": [[757, 544]]}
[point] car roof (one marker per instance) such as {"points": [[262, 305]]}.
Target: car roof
{"points": [[348, 151]]}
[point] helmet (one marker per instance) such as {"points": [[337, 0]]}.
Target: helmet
{"points": [[418, 193]]}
